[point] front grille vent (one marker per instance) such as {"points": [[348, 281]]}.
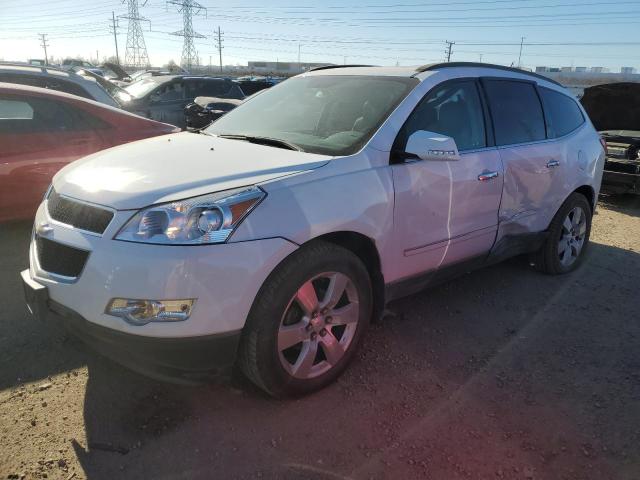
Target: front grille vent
{"points": [[77, 214], [60, 259]]}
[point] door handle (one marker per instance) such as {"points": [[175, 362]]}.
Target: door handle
{"points": [[486, 176], [553, 163]]}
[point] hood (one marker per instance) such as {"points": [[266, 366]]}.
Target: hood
{"points": [[613, 106], [174, 167]]}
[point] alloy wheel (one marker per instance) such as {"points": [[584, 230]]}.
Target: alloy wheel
{"points": [[572, 236], [318, 325]]}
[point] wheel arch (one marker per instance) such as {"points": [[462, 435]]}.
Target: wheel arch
{"points": [[365, 249], [589, 193]]}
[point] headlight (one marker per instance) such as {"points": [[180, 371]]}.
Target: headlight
{"points": [[194, 221]]}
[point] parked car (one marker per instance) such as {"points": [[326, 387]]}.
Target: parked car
{"points": [[71, 63], [114, 90], [163, 98], [56, 79], [205, 110], [42, 130], [116, 74], [273, 237], [251, 85], [614, 109]]}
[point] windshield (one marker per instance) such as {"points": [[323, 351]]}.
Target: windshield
{"points": [[328, 114], [140, 88]]}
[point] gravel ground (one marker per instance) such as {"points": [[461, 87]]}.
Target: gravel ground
{"points": [[501, 374]]}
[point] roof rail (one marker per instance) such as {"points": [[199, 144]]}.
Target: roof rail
{"points": [[438, 66], [328, 67]]}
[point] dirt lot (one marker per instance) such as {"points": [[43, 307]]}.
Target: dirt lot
{"points": [[501, 374]]}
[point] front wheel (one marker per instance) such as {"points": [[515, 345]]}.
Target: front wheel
{"points": [[307, 320], [568, 238]]}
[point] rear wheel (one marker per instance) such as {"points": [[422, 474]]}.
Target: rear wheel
{"points": [[307, 320], [565, 247]]}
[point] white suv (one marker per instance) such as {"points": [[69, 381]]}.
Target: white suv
{"points": [[272, 238]]}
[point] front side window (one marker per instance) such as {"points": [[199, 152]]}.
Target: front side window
{"points": [[326, 114], [516, 111], [169, 92], [453, 109], [563, 113]]}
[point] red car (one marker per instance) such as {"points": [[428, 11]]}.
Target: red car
{"points": [[43, 130]]}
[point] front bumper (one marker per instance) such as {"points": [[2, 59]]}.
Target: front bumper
{"points": [[183, 360], [224, 279]]}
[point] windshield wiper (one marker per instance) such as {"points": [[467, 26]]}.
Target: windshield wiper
{"points": [[274, 142]]}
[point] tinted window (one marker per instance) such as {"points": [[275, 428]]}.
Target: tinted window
{"points": [[516, 111], [453, 110], [206, 88], [39, 115], [169, 92], [563, 113]]}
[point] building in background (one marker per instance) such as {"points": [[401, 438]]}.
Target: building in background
{"points": [[627, 70], [283, 67]]}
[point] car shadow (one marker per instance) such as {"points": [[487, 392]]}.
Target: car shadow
{"points": [[501, 373], [30, 349]]}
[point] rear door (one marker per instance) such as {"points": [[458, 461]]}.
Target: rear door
{"points": [[532, 163], [39, 136], [447, 211]]}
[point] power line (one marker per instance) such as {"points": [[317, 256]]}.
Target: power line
{"points": [[136, 53], [188, 8], [114, 27], [219, 45], [449, 50], [44, 44]]}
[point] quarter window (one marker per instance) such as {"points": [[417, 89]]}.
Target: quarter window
{"points": [[563, 113], [453, 109], [516, 111]]}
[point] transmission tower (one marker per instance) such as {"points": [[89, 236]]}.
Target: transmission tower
{"points": [[188, 8], [136, 53]]}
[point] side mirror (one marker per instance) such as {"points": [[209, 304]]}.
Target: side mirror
{"points": [[432, 146]]}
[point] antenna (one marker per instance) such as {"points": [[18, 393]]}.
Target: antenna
{"points": [[188, 8], [136, 53]]}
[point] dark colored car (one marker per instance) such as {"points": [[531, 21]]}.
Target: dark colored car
{"points": [[41, 131], [614, 109], [251, 85], [205, 110], [56, 79], [164, 98]]}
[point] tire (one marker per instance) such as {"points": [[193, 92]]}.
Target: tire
{"points": [[285, 324], [557, 257]]}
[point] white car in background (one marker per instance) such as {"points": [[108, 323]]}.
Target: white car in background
{"points": [[273, 237]]}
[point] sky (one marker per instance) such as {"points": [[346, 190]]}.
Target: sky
{"points": [[381, 32]]}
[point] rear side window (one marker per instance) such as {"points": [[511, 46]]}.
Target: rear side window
{"points": [[516, 111], [453, 109], [563, 113], [40, 115]]}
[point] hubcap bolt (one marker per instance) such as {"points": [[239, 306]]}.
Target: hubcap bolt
{"points": [[328, 319], [323, 332], [314, 335]]}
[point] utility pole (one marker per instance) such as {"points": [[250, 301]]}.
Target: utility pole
{"points": [[298, 55], [449, 50], [218, 41], [520, 54], [136, 52], [188, 8], [480, 58], [114, 26], [44, 44]]}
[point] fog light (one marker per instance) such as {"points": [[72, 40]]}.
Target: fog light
{"points": [[141, 312]]}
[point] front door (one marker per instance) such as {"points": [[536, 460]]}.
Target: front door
{"points": [[446, 211], [167, 102]]}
